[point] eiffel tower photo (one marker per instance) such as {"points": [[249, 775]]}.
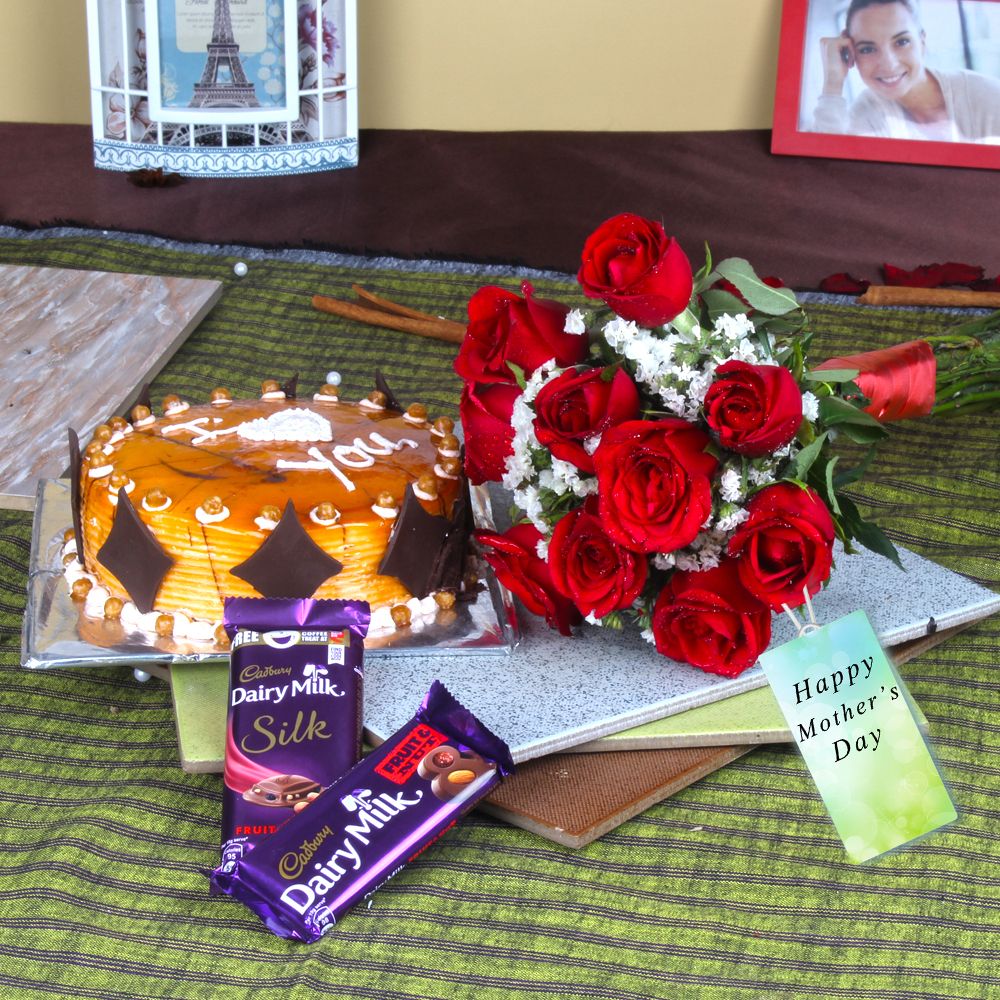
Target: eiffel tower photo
{"points": [[233, 90]]}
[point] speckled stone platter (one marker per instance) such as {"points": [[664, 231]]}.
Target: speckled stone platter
{"points": [[553, 693], [77, 346]]}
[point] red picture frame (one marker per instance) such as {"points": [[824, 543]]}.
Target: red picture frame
{"points": [[789, 138]]}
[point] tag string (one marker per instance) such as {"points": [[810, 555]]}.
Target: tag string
{"points": [[803, 627]]}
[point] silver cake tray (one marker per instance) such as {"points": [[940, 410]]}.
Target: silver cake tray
{"points": [[57, 633]]}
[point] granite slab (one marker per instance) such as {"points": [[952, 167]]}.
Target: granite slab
{"points": [[553, 693], [76, 348]]}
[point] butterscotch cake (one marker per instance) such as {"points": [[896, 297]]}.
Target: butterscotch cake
{"points": [[274, 497]]}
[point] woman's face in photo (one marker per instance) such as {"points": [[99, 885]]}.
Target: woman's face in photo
{"points": [[888, 49]]}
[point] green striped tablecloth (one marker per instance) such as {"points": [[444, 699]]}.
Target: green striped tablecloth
{"points": [[736, 887]]}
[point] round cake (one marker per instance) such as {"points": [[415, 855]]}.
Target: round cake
{"points": [[254, 498]]}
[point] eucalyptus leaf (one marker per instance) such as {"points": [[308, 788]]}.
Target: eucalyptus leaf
{"points": [[764, 298]]}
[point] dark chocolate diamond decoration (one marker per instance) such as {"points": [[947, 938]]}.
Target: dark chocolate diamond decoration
{"points": [[75, 462], [449, 567], [291, 387], [391, 403], [415, 546], [289, 563], [134, 555]]}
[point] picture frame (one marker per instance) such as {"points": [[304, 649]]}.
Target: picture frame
{"points": [[170, 92], [205, 71], [956, 41]]}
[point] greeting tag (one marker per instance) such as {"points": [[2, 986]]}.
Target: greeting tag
{"points": [[849, 715]]}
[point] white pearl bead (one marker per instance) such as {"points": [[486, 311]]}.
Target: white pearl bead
{"points": [[333, 378], [240, 269]]}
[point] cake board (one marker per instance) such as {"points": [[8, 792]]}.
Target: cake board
{"points": [[78, 346]]}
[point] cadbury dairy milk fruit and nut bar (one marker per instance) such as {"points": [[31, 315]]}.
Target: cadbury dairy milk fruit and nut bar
{"points": [[294, 723], [365, 827]]}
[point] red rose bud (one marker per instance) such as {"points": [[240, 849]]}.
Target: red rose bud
{"points": [[654, 483], [485, 412], [579, 405], [590, 568], [639, 271], [708, 619], [786, 544], [754, 409], [516, 563], [505, 329], [899, 381]]}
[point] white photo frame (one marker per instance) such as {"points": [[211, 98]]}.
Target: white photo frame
{"points": [[142, 110], [193, 69]]}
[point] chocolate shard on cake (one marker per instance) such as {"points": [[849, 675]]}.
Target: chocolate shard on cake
{"points": [[134, 555], [291, 387], [391, 402], [289, 563], [426, 551], [75, 461]]}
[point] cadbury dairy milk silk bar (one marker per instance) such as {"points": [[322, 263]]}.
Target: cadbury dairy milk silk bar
{"points": [[367, 825], [294, 723]]}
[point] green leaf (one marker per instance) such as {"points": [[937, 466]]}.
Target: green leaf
{"points": [[872, 537], [719, 302], [773, 301], [863, 434], [831, 495], [849, 476], [805, 458], [705, 277], [518, 374], [832, 375], [834, 411]]}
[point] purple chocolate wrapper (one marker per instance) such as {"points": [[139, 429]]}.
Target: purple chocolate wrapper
{"points": [[369, 823], [295, 700]]}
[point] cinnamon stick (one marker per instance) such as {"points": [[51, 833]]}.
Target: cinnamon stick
{"points": [[903, 295], [387, 305], [436, 329]]}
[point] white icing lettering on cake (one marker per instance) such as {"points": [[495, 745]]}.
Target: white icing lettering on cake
{"points": [[320, 462], [298, 425], [199, 429], [342, 453]]}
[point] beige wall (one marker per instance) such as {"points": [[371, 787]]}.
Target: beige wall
{"points": [[614, 65]]}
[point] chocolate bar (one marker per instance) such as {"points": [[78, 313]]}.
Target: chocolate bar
{"points": [[295, 689], [362, 829]]}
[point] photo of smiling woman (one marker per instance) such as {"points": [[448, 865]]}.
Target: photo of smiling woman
{"points": [[899, 71]]}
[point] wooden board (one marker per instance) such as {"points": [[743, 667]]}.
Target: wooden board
{"points": [[76, 348], [574, 798]]}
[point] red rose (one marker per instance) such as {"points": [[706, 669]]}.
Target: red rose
{"points": [[587, 566], [755, 409], [515, 561], [708, 620], [653, 483], [505, 329], [637, 270], [786, 544], [485, 412], [577, 405]]}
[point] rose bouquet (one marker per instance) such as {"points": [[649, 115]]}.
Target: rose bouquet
{"points": [[671, 454]]}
